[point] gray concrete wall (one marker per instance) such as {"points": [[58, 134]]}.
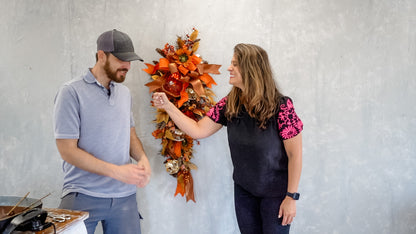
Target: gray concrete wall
{"points": [[349, 66]]}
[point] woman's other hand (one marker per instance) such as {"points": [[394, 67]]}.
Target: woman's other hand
{"points": [[160, 100]]}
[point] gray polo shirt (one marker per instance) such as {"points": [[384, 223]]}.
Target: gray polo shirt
{"points": [[101, 120]]}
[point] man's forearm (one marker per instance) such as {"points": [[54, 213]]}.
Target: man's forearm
{"points": [[71, 153]]}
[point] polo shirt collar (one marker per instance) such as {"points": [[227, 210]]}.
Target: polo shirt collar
{"points": [[90, 78]]}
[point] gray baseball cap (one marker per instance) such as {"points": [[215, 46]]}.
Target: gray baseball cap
{"points": [[119, 44]]}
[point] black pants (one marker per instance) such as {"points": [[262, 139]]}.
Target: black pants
{"points": [[256, 215]]}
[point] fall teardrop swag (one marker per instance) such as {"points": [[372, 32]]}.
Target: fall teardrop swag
{"points": [[184, 76]]}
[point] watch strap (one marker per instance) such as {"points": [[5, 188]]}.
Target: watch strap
{"points": [[294, 196]]}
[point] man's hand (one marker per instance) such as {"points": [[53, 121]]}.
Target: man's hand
{"points": [[132, 174], [145, 174]]}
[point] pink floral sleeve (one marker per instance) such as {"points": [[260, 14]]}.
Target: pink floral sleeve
{"points": [[217, 113], [288, 121]]}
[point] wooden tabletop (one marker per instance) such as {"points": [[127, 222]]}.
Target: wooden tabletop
{"points": [[75, 218]]}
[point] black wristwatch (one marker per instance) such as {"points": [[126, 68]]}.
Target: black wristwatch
{"points": [[294, 196]]}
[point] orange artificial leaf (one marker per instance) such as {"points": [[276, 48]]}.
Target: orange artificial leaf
{"points": [[177, 148], [154, 85], [183, 69], [158, 133], [208, 80], [184, 95], [170, 149], [191, 66], [195, 59], [150, 68], [180, 186], [184, 98], [164, 64]]}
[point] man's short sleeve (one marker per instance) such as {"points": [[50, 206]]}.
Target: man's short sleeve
{"points": [[66, 114]]}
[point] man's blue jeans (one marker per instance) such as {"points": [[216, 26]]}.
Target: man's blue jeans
{"points": [[256, 215], [117, 215]]}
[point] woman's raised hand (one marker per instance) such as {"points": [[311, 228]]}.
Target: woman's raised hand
{"points": [[160, 100]]}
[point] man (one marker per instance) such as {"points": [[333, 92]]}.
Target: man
{"points": [[95, 135]]}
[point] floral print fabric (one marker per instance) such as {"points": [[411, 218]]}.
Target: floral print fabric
{"points": [[288, 121], [217, 113]]}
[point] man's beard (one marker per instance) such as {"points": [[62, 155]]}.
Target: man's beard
{"points": [[113, 75]]}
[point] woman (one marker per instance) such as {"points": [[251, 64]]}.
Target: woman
{"points": [[265, 140]]}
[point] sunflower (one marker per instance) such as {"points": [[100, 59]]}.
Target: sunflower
{"points": [[186, 61]]}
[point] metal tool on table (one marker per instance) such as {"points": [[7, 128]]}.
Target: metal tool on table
{"points": [[59, 218]]}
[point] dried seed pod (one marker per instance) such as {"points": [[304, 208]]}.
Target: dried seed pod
{"points": [[180, 42], [160, 52], [194, 35], [195, 47]]}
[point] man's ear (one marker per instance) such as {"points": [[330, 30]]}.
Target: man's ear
{"points": [[102, 57]]}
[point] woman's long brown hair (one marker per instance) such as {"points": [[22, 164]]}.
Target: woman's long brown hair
{"points": [[261, 95]]}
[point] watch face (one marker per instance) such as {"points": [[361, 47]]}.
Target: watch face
{"points": [[295, 196]]}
